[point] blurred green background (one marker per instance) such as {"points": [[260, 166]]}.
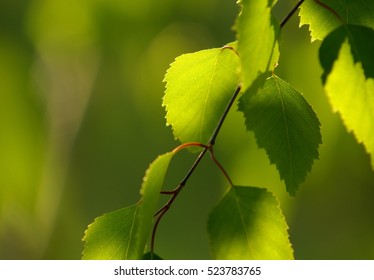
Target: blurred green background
{"points": [[81, 119]]}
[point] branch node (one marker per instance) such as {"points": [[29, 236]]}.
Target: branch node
{"points": [[209, 147]]}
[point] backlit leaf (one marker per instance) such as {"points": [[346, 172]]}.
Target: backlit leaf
{"points": [[123, 234], [347, 56], [286, 126], [248, 224], [321, 21], [361, 43], [198, 87], [257, 35], [111, 236]]}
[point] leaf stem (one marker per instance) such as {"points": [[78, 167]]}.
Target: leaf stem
{"points": [[290, 14], [209, 147], [230, 48], [331, 10], [220, 166], [174, 193], [189, 144]]}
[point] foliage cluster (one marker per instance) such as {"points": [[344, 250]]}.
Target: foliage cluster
{"points": [[201, 88]]}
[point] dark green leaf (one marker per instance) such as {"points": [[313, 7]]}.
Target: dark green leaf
{"points": [[286, 126], [248, 224]]}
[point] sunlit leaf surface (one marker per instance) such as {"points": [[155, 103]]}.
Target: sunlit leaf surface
{"points": [[248, 224], [110, 237], [198, 87], [347, 56], [257, 35], [321, 21]]}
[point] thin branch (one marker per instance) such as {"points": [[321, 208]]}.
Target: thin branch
{"points": [[327, 7], [290, 14], [155, 226], [223, 117], [174, 193]]}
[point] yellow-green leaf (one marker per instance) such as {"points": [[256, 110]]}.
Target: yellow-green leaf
{"points": [[347, 56], [322, 21], [198, 87], [257, 35], [112, 235]]}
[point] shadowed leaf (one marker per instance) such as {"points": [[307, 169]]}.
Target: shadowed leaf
{"points": [[286, 126]]}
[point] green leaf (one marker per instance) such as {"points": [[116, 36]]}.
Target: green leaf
{"points": [[257, 35], [111, 236], [152, 184], [198, 87], [361, 48], [321, 21], [248, 224], [123, 234], [347, 56], [286, 126]]}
